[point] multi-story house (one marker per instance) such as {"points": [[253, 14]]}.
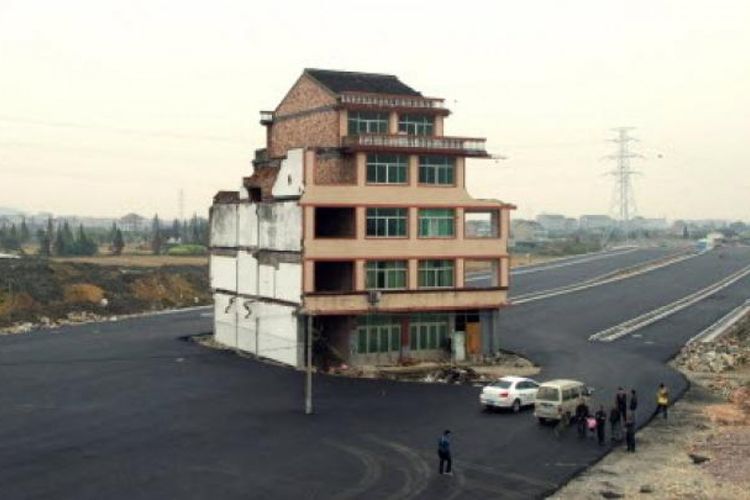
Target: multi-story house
{"points": [[357, 215]]}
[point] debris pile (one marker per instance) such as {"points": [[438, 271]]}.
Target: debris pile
{"points": [[715, 357], [454, 375]]}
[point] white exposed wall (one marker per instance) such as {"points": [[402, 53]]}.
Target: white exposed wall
{"points": [[240, 323], [289, 180], [248, 273], [281, 226], [224, 225], [248, 233], [223, 272], [289, 282]]}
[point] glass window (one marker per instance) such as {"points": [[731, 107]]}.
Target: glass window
{"points": [[387, 169], [384, 274], [428, 331], [367, 122], [378, 334], [548, 394], [416, 124], [437, 222], [386, 222], [435, 273], [435, 169]]}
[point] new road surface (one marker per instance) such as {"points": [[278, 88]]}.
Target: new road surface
{"points": [[128, 410]]}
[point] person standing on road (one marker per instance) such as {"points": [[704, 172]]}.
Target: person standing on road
{"points": [[633, 403], [662, 400], [444, 453], [582, 413], [615, 423], [630, 433], [621, 400], [601, 423]]}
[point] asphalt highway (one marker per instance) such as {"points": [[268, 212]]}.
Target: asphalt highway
{"points": [[128, 410]]}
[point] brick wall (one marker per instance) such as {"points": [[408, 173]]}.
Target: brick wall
{"points": [[319, 129], [334, 170], [305, 94]]}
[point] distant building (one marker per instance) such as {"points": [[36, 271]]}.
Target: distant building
{"points": [[595, 222], [526, 231], [553, 223], [357, 216]]}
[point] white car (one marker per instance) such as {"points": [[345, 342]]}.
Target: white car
{"points": [[509, 392]]}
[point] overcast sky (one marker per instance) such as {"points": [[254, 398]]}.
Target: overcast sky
{"points": [[112, 107]]}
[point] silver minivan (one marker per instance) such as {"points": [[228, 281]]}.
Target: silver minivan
{"points": [[557, 399]]}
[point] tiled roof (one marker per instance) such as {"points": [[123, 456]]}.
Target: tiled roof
{"points": [[349, 81]]}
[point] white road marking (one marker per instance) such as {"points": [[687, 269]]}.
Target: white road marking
{"points": [[617, 275], [572, 261], [645, 319], [723, 324]]}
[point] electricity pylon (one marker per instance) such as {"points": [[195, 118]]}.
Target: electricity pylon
{"points": [[623, 199]]}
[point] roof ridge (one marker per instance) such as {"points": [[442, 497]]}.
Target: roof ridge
{"points": [[350, 72]]}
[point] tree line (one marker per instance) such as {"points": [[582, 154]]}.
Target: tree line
{"points": [[61, 239]]}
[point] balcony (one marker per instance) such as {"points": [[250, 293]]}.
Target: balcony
{"points": [[405, 301], [417, 144], [391, 101], [266, 117]]}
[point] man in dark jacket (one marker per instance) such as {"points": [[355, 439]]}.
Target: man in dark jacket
{"points": [[621, 400], [444, 453], [615, 423], [630, 433], [633, 403], [582, 413], [601, 423]]}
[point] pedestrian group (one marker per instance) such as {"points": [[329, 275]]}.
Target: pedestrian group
{"points": [[621, 415]]}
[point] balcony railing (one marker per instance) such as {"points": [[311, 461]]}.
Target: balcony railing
{"points": [[460, 145], [388, 101]]}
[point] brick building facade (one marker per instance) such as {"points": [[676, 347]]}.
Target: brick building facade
{"points": [[357, 214]]}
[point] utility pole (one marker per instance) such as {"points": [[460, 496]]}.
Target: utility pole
{"points": [[308, 375], [623, 198]]}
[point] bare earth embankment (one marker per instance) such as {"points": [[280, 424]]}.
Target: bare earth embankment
{"points": [[36, 292], [703, 450]]}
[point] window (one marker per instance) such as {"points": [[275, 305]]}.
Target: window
{"points": [[334, 222], [428, 332], [481, 224], [437, 170], [387, 169], [367, 122], [481, 273], [378, 334], [548, 394], [416, 124], [437, 222], [384, 274], [435, 273], [386, 222]]}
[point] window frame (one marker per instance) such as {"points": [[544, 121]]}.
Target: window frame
{"points": [[386, 225], [416, 124], [389, 268], [425, 270], [430, 170], [433, 223], [371, 334], [388, 167], [367, 122]]}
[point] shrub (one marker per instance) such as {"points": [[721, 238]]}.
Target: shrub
{"points": [[83, 293], [183, 250]]}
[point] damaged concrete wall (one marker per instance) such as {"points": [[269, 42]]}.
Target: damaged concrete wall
{"points": [[280, 226], [256, 270]]}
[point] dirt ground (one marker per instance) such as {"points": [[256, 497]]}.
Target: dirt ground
{"points": [[701, 452], [41, 293], [137, 260]]}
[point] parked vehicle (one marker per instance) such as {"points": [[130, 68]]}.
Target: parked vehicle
{"points": [[557, 399], [509, 392]]}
